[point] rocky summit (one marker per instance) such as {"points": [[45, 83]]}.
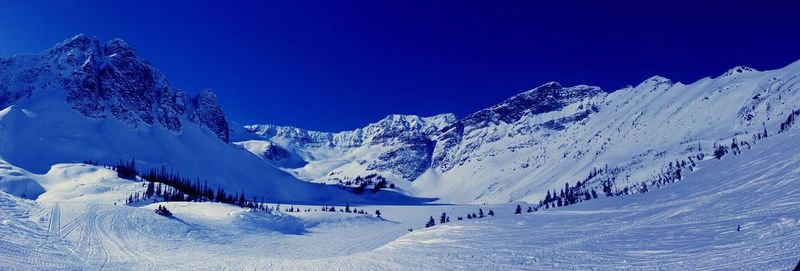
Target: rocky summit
{"points": [[108, 80]]}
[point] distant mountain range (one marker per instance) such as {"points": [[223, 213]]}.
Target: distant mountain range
{"points": [[542, 138], [83, 99]]}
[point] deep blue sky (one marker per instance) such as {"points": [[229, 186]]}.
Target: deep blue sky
{"points": [[334, 65]]}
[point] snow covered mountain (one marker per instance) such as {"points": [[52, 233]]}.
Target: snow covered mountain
{"points": [[87, 100], [83, 99], [398, 146], [108, 81], [543, 138]]}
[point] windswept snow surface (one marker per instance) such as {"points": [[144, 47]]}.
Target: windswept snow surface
{"points": [[689, 225]]}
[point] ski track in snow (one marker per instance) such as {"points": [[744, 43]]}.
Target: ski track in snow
{"points": [[54, 226]]}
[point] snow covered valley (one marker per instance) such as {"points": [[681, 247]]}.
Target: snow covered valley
{"points": [[690, 225], [658, 176]]}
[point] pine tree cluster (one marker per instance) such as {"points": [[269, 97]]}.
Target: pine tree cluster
{"points": [[168, 185], [126, 170]]}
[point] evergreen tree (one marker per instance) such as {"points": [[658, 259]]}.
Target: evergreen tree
{"points": [[735, 147], [480, 213], [720, 151], [150, 189], [491, 213], [518, 210], [126, 170], [378, 213], [530, 209], [159, 192]]}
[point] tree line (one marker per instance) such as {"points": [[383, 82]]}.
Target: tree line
{"points": [[670, 173]]}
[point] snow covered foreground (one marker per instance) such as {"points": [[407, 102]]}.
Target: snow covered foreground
{"points": [[81, 223]]}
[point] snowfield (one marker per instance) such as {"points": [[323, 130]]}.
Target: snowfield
{"points": [[689, 225]]}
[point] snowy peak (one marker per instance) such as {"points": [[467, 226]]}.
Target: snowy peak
{"points": [[108, 81], [442, 120], [392, 126], [545, 98], [209, 113], [397, 145], [80, 42], [118, 47], [416, 122], [738, 70], [404, 128], [655, 81]]}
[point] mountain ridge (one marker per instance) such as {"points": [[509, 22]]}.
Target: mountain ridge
{"points": [[533, 120], [514, 150], [109, 81]]}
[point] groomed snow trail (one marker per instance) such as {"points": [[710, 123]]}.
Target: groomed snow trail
{"points": [[24, 245]]}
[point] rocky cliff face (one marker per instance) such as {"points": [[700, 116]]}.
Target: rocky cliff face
{"points": [[208, 113], [108, 81], [455, 143], [398, 144]]}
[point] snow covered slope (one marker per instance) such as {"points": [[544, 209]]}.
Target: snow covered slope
{"points": [[85, 100], [688, 225], [24, 244], [543, 138]]}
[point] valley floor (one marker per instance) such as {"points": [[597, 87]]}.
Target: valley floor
{"points": [[689, 225]]}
